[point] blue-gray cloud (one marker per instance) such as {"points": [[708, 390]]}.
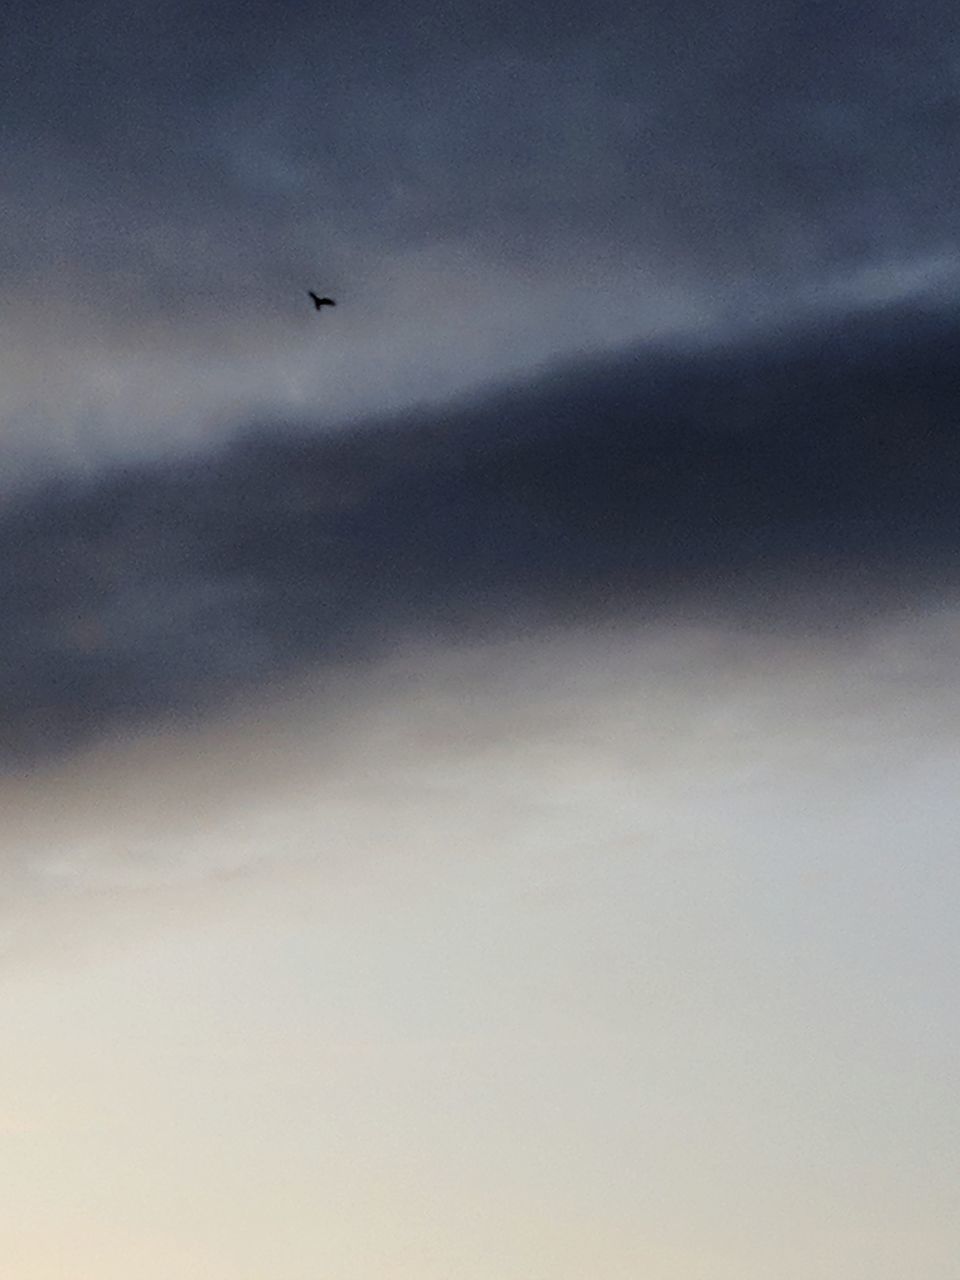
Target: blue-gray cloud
{"points": [[484, 186], [750, 475], [189, 147]]}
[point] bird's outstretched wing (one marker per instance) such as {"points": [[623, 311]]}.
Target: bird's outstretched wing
{"points": [[320, 302]]}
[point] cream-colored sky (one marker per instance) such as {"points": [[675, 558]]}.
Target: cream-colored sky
{"points": [[618, 954]]}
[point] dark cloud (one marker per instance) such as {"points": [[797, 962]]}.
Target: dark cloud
{"points": [[189, 147], [489, 184], [828, 459], [484, 186]]}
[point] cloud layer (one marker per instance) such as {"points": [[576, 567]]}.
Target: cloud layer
{"points": [[483, 186], [816, 465]]}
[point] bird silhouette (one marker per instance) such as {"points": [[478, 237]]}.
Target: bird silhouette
{"points": [[320, 302]]}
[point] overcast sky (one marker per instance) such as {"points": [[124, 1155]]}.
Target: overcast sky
{"points": [[483, 188], [478, 766]]}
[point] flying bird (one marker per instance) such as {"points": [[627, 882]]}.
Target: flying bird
{"points": [[320, 302]]}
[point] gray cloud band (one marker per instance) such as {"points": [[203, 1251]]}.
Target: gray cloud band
{"points": [[631, 485]]}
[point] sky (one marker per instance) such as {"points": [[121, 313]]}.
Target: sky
{"points": [[478, 765], [485, 188]]}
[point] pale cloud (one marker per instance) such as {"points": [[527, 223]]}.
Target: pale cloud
{"points": [[624, 945]]}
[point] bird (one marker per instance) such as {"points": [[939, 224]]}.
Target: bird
{"points": [[320, 302]]}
